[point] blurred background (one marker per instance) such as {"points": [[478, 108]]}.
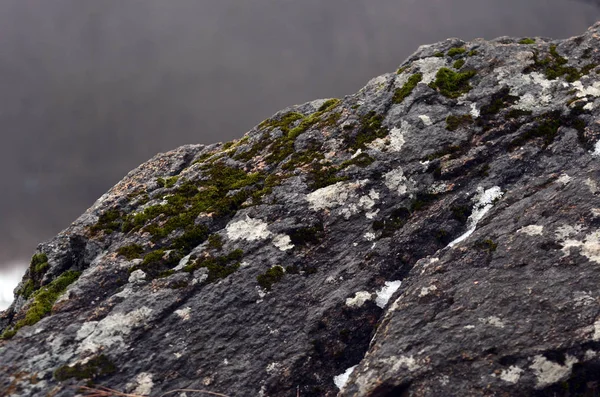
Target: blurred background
{"points": [[89, 89]]}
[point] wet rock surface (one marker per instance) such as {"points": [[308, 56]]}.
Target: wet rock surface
{"points": [[437, 232]]}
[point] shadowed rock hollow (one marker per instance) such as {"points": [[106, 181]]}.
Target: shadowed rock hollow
{"points": [[434, 234]]}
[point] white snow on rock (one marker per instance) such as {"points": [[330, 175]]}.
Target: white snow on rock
{"points": [[341, 380], [596, 151], [484, 203], [386, 292], [248, 229]]}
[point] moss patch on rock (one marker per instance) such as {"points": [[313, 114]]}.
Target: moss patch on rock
{"points": [[270, 277], [452, 84], [94, 368], [401, 93]]}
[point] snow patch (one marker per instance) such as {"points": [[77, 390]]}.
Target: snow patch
{"points": [[341, 380], [596, 151], [248, 229], [484, 203], [386, 292]]}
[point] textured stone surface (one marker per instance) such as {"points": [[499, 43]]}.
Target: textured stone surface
{"points": [[434, 234]]}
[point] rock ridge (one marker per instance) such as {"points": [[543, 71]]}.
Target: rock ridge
{"points": [[436, 233]]}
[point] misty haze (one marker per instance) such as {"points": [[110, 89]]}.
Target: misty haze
{"points": [[92, 88]]}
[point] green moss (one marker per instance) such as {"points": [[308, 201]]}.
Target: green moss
{"points": [[322, 175], [94, 368], [401, 93], [456, 51], [455, 122], [472, 53], [328, 105], [439, 54], [108, 222], [307, 235], [553, 66], [170, 182], [401, 70], [527, 41], [156, 262], [371, 128], [516, 113], [39, 264], [487, 245], [131, 251], [270, 277], [362, 160], [218, 267], [215, 241], [500, 100], [192, 237], [160, 182], [27, 289], [43, 300], [283, 123], [546, 127], [458, 64], [452, 84]]}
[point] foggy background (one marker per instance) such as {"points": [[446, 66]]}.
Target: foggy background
{"points": [[89, 89]]}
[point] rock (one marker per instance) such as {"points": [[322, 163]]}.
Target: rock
{"points": [[436, 233]]}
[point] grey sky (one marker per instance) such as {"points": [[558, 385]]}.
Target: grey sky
{"points": [[91, 88]]}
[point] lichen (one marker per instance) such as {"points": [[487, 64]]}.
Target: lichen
{"points": [[554, 66]]}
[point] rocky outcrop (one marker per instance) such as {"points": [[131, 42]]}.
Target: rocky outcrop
{"points": [[434, 234]]}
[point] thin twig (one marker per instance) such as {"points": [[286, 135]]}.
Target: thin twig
{"points": [[102, 391]]}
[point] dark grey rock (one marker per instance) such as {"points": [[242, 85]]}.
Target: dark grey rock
{"points": [[441, 240]]}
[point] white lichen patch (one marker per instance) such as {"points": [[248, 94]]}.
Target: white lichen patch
{"points": [[397, 136], [368, 201], [512, 374], [332, 196], [427, 290], [564, 179], [474, 111], [248, 229], [484, 201], [369, 236], [359, 299], [137, 276], [142, 384], [396, 181], [589, 247], [110, 331], [426, 120], [283, 242], [565, 231], [493, 321], [532, 230], [592, 185], [437, 188], [273, 367], [596, 336], [592, 90], [184, 313], [429, 67], [386, 292], [534, 90], [408, 362], [548, 372], [589, 106], [341, 380]]}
